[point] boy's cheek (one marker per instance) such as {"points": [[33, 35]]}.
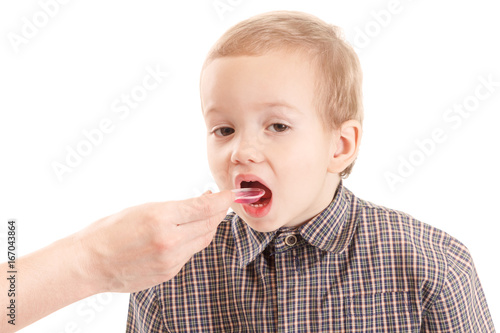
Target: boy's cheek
{"points": [[221, 173]]}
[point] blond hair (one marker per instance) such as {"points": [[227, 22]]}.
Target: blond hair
{"points": [[339, 87]]}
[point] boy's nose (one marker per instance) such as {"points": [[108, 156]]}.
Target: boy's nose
{"points": [[247, 150]]}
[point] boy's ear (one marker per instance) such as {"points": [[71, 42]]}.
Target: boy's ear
{"points": [[345, 146]]}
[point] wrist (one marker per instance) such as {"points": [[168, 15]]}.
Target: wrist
{"points": [[83, 268]]}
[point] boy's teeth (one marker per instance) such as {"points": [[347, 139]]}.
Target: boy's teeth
{"points": [[258, 205]]}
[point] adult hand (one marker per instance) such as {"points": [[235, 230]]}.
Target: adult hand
{"points": [[145, 245]]}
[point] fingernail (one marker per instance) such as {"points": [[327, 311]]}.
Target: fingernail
{"points": [[207, 192]]}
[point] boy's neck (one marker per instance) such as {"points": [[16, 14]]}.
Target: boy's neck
{"points": [[323, 199]]}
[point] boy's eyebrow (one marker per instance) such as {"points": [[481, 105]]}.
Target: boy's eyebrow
{"points": [[267, 105], [280, 105]]}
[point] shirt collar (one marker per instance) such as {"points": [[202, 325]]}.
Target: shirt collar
{"points": [[330, 230]]}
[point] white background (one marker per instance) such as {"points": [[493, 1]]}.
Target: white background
{"points": [[64, 79]]}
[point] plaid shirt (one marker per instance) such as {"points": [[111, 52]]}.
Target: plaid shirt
{"points": [[354, 267]]}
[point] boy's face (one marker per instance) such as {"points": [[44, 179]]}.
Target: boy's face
{"points": [[262, 125]]}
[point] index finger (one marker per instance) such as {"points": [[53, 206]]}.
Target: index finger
{"points": [[202, 207]]}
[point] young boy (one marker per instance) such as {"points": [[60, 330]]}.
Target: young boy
{"points": [[281, 98]]}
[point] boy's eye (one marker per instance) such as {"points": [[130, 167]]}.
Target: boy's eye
{"points": [[279, 127], [224, 131]]}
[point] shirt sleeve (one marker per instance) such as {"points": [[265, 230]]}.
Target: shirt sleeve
{"points": [[461, 305], [144, 314]]}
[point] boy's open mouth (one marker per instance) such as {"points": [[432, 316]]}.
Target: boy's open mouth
{"points": [[264, 200]]}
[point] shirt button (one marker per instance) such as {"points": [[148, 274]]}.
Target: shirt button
{"points": [[290, 240]]}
